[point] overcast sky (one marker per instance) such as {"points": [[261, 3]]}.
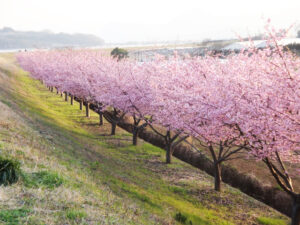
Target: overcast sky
{"points": [[149, 20]]}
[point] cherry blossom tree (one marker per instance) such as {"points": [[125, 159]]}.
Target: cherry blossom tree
{"points": [[267, 109]]}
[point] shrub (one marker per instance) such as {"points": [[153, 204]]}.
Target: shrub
{"points": [[9, 171]]}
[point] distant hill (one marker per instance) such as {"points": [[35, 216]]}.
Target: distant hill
{"points": [[12, 39]]}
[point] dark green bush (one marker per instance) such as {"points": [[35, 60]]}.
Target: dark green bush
{"points": [[9, 171]]}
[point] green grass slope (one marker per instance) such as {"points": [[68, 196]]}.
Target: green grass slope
{"points": [[75, 173]]}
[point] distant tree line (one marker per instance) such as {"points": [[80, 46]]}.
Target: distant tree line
{"points": [[12, 39]]}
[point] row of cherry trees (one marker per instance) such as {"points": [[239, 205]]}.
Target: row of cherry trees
{"points": [[247, 102]]}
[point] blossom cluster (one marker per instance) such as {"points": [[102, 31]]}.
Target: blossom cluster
{"points": [[251, 97]]}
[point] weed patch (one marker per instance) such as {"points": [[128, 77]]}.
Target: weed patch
{"points": [[182, 219], [75, 215], [178, 190], [270, 221], [42, 179], [13, 216]]}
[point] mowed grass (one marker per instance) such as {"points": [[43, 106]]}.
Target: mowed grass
{"points": [[75, 173]]}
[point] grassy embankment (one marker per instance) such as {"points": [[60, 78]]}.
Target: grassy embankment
{"points": [[74, 173]]}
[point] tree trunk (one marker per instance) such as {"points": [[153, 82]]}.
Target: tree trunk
{"points": [[113, 128], [51, 89], [61, 94], [134, 136], [80, 104], [135, 130], [296, 211], [168, 154], [72, 99], [87, 109], [100, 119], [218, 178], [66, 96], [57, 92]]}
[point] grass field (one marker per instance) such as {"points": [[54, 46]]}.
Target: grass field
{"points": [[73, 172]]}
